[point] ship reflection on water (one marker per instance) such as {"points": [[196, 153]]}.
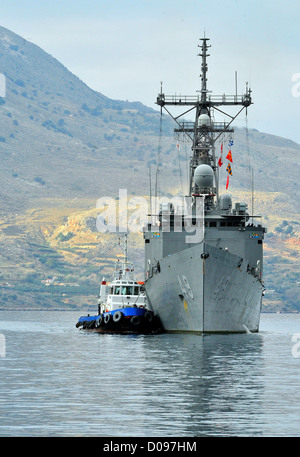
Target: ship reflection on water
{"points": [[56, 381], [212, 383]]}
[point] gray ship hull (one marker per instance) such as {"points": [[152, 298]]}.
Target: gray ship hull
{"points": [[204, 256], [215, 294]]}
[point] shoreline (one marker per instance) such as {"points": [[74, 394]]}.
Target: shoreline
{"points": [[85, 309]]}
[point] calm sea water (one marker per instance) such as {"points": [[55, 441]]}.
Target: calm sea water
{"points": [[58, 381]]}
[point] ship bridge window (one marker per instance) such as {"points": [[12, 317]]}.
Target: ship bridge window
{"points": [[117, 290], [230, 224], [127, 290], [213, 224], [225, 224]]}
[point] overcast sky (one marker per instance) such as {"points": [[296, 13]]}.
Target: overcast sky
{"points": [[124, 48]]}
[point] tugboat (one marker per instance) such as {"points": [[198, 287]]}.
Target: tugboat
{"points": [[122, 304]]}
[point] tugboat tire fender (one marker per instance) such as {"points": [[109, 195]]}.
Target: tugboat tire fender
{"points": [[107, 318], [99, 321], [135, 320], [117, 316], [148, 316]]}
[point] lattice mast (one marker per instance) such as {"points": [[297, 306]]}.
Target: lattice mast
{"points": [[204, 132]]}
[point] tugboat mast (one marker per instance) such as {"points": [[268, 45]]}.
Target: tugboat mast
{"points": [[204, 132]]}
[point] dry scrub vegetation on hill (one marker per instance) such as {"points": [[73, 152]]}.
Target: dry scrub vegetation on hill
{"points": [[63, 146]]}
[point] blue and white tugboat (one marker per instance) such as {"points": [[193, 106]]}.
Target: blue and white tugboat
{"points": [[122, 305]]}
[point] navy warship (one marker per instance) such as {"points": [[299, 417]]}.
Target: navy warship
{"points": [[204, 260]]}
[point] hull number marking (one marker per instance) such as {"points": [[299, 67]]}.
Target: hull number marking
{"points": [[185, 286]]}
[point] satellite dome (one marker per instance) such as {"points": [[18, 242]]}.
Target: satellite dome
{"points": [[225, 202], [204, 175], [203, 120]]}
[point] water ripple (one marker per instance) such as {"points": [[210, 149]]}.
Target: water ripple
{"points": [[58, 381]]}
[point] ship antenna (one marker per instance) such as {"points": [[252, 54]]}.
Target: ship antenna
{"points": [[150, 185], [125, 248], [250, 165], [161, 94], [158, 155], [204, 68], [252, 193]]}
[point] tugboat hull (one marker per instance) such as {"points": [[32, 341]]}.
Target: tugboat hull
{"points": [[125, 320]]}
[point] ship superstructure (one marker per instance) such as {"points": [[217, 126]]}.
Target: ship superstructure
{"points": [[204, 261]]}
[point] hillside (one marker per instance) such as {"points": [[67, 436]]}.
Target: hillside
{"points": [[77, 136], [63, 146]]}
